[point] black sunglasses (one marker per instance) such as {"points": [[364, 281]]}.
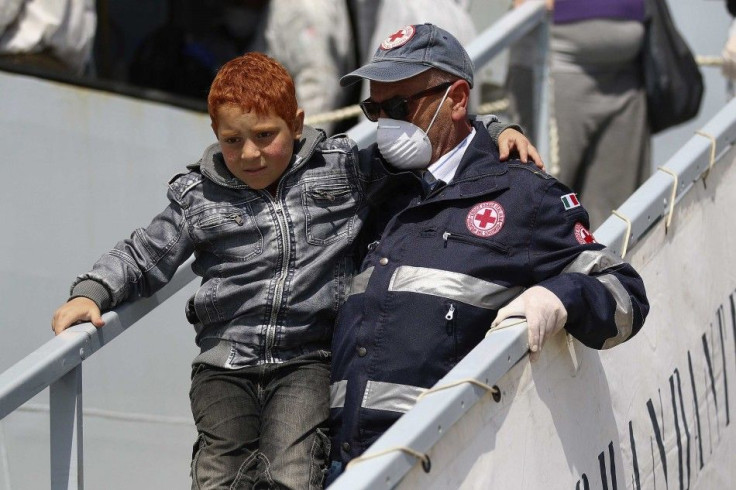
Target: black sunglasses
{"points": [[396, 107]]}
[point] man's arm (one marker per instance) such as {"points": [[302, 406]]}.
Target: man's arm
{"points": [[599, 298], [604, 296]]}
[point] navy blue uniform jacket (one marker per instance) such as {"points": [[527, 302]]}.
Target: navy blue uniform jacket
{"points": [[433, 280]]}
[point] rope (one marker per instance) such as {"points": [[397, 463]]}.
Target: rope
{"points": [[505, 324], [336, 115], [712, 151], [628, 231], [472, 381], [704, 60], [424, 458], [554, 135], [672, 197], [571, 351], [494, 106]]}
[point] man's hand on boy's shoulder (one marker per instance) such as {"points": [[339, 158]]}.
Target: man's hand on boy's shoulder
{"points": [[79, 309], [513, 142]]}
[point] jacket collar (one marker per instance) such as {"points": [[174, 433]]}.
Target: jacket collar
{"points": [[480, 170], [212, 165]]}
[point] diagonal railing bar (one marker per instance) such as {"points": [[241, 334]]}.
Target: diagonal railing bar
{"points": [[61, 354]]}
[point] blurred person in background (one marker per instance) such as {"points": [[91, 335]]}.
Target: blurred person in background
{"points": [[599, 101], [312, 38], [729, 50], [54, 36]]}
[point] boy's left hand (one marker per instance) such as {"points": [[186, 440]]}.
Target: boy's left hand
{"points": [[512, 141]]}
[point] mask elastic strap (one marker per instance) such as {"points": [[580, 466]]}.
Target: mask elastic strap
{"points": [[438, 109]]}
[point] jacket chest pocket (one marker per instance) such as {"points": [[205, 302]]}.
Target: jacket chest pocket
{"points": [[229, 231], [450, 238], [329, 206]]}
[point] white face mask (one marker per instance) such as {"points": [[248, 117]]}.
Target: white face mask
{"points": [[403, 144]]}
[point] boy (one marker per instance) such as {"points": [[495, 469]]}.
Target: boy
{"points": [[270, 212]]}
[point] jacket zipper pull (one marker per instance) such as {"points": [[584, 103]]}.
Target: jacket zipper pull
{"points": [[449, 316], [450, 313], [445, 236], [238, 219]]}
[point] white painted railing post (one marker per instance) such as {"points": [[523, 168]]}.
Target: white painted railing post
{"points": [[65, 400]]}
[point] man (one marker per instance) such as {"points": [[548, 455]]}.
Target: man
{"points": [[455, 235]]}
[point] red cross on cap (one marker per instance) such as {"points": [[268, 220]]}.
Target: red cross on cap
{"points": [[398, 38], [396, 35]]}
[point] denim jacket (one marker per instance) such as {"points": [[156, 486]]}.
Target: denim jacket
{"points": [[274, 269]]}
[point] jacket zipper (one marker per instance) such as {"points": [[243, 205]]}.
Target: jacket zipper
{"points": [[279, 292], [450, 326]]}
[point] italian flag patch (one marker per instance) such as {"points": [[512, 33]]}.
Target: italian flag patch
{"points": [[570, 201]]}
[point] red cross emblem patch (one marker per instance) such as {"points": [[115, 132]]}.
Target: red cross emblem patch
{"points": [[398, 38], [485, 219], [582, 235]]}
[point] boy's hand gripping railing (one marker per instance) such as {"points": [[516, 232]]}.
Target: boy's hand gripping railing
{"points": [[58, 364]]}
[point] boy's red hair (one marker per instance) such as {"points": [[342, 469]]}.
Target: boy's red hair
{"points": [[254, 82]]}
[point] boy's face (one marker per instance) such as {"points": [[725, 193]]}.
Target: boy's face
{"points": [[256, 148]]}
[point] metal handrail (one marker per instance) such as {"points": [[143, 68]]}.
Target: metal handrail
{"points": [[61, 354], [653, 199], [58, 365]]}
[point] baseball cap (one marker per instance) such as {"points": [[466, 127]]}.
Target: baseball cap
{"points": [[412, 50]]}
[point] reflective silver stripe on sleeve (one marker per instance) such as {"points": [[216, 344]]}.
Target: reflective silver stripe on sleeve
{"points": [[337, 393], [360, 282], [390, 396], [592, 261], [624, 310], [452, 285]]}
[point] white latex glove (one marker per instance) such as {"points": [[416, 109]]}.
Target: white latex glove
{"points": [[544, 312]]}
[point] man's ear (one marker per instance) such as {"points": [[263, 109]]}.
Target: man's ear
{"points": [[460, 96], [298, 125]]}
